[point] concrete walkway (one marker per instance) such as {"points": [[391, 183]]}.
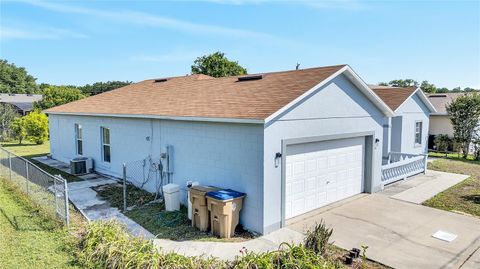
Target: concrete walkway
{"points": [[92, 206], [423, 187], [228, 250], [399, 233]]}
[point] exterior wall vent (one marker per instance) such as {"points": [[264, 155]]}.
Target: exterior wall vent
{"points": [[158, 80], [253, 77]]}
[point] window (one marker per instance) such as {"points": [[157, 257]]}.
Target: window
{"points": [[418, 133], [78, 139], [105, 144]]}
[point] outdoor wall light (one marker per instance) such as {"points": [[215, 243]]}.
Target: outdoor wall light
{"points": [[376, 142], [278, 157]]}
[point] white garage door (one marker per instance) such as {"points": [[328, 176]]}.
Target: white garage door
{"points": [[321, 173]]}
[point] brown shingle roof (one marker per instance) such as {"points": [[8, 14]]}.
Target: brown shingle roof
{"points": [[393, 96], [204, 96], [441, 100]]}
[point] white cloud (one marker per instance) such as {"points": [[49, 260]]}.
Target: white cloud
{"points": [[10, 33], [142, 18]]}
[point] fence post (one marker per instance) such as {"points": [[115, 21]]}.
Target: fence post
{"points": [[124, 187], [10, 165], [26, 175], [425, 163], [67, 211]]}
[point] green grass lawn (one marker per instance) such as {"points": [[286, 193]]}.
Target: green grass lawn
{"points": [[463, 197], [453, 156], [28, 238], [29, 150]]}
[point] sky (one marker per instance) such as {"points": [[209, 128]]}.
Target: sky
{"points": [[80, 42]]}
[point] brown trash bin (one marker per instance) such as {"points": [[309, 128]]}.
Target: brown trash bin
{"points": [[200, 213], [224, 207]]}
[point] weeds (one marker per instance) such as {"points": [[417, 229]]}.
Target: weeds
{"points": [[317, 238], [108, 245]]}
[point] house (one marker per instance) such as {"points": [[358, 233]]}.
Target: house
{"points": [[407, 131], [440, 121], [22, 103], [293, 141]]}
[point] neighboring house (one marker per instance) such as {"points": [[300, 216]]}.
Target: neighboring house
{"points": [[23, 103], [293, 141], [440, 121], [407, 132]]}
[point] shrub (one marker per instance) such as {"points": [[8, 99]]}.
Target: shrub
{"points": [[18, 129], [317, 239], [442, 142], [36, 127]]}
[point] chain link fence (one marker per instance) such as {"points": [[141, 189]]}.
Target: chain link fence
{"points": [[143, 181], [45, 190]]}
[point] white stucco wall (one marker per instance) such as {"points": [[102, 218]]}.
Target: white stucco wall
{"points": [[411, 111], [335, 108], [218, 154]]}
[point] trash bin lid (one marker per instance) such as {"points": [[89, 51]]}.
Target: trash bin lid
{"points": [[170, 188], [223, 195], [205, 189]]}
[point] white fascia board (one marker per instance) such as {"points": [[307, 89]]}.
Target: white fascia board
{"points": [[301, 97], [132, 116], [371, 95], [354, 78], [424, 99]]}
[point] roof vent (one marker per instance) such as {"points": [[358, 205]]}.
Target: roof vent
{"points": [[253, 77], [158, 80], [438, 95]]}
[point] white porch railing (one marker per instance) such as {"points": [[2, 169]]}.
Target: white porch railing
{"points": [[403, 165]]}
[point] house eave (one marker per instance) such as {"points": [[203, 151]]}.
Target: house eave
{"points": [[162, 117], [424, 99]]}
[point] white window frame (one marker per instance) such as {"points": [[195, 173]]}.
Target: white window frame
{"points": [[104, 144], [419, 132], [78, 138]]}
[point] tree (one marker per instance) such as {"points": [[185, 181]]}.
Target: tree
{"points": [[58, 95], [468, 89], [7, 115], [427, 87], [442, 90], [15, 79], [36, 127], [456, 89], [18, 129], [100, 87], [464, 114], [403, 83], [476, 144], [217, 65]]}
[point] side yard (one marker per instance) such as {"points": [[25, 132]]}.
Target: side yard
{"points": [[464, 197], [28, 238]]}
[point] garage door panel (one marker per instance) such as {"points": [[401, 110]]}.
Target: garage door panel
{"points": [[321, 173]]}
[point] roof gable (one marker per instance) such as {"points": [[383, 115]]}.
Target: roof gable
{"points": [[395, 97]]}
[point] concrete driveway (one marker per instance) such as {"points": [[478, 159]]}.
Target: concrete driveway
{"points": [[399, 233]]}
